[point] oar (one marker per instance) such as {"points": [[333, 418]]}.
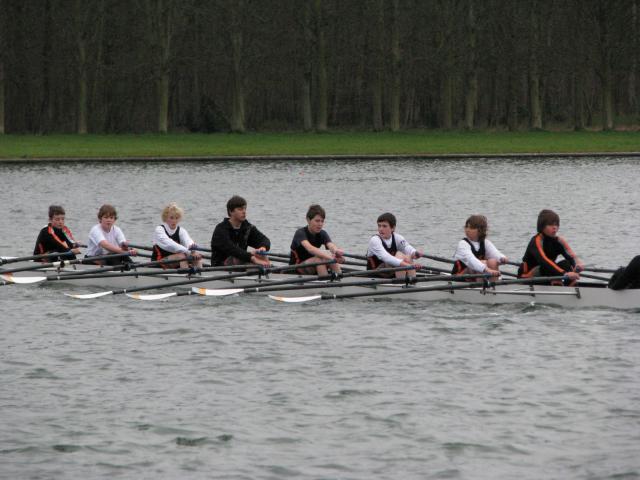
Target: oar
{"points": [[486, 284], [4, 260], [127, 269], [62, 263], [8, 277], [251, 270], [293, 285], [582, 274], [270, 285], [287, 256]]}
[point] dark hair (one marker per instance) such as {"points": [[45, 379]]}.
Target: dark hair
{"points": [[107, 210], [316, 210], [479, 222], [390, 218], [547, 217], [235, 202], [55, 210]]}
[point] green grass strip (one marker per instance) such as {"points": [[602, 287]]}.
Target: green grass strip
{"points": [[334, 143]]}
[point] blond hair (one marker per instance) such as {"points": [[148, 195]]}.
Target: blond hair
{"points": [[172, 209]]}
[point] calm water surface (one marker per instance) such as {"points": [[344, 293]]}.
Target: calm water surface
{"points": [[243, 388]]}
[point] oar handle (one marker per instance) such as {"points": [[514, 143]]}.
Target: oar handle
{"points": [[147, 247]]}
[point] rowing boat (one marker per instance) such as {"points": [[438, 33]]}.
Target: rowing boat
{"points": [[571, 297], [307, 288]]}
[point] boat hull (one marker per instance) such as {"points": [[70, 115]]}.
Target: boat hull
{"points": [[583, 296]]}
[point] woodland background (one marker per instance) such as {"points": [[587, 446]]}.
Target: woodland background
{"points": [[111, 66]]}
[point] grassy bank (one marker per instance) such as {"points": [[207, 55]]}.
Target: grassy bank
{"points": [[339, 143]]}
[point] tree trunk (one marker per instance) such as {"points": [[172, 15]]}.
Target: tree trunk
{"points": [[535, 118], [237, 112], [471, 93], [82, 88], [634, 105], [160, 21], [512, 101], [396, 79], [307, 67], [378, 53], [321, 124], [46, 107], [163, 103], [578, 102], [607, 100], [2, 104], [447, 101]]}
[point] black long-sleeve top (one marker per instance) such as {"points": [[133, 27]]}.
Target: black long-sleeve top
{"points": [[227, 241]]}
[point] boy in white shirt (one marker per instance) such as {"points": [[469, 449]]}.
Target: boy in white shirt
{"points": [[475, 253], [388, 249], [106, 237], [171, 241]]}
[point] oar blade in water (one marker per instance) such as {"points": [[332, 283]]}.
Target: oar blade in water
{"points": [[295, 299], [88, 296], [210, 292], [151, 296], [9, 278]]}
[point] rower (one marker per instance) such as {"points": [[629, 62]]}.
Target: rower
{"points": [[106, 237], [475, 252], [626, 277], [307, 242], [545, 247], [234, 234], [172, 242], [388, 249], [56, 237]]}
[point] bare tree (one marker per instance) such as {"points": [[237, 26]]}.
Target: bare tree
{"points": [[471, 74]]}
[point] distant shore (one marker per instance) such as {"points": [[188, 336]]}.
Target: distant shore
{"points": [[425, 144]]}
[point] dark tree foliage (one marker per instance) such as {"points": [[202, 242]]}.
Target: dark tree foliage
{"points": [[236, 65]]}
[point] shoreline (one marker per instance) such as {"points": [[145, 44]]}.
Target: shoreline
{"points": [[289, 157]]}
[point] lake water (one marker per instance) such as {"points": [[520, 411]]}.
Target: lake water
{"points": [[245, 388]]}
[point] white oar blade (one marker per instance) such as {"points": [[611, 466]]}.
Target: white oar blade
{"points": [[7, 277], [86, 296], [295, 299], [152, 296], [210, 292]]}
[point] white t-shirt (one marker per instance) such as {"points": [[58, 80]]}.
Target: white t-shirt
{"points": [[376, 249], [97, 235], [465, 254], [161, 239]]}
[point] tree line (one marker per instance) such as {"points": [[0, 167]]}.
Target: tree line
{"points": [[236, 65]]}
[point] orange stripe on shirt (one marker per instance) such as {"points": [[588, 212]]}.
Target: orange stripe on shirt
{"points": [[56, 238], [544, 256]]}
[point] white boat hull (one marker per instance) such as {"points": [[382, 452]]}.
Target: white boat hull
{"points": [[584, 296]]}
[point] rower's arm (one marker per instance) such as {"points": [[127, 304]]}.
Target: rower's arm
{"points": [[221, 242], [258, 239], [315, 251]]}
